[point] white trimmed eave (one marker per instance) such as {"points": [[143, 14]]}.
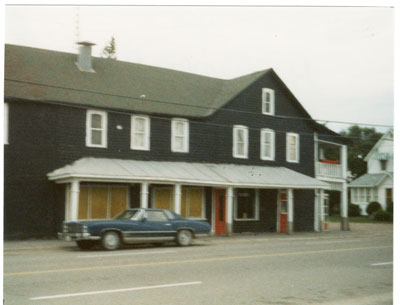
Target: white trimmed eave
{"points": [[68, 178]]}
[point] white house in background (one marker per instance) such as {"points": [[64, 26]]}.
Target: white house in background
{"points": [[377, 184]]}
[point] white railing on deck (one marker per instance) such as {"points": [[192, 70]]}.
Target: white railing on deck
{"points": [[329, 170]]}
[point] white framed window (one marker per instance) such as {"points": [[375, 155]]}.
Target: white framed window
{"points": [[140, 132], [267, 144], [96, 128], [240, 141], [292, 147], [180, 135], [5, 139], [246, 204], [268, 101]]}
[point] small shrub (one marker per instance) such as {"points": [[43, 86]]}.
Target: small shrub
{"points": [[373, 207], [382, 215], [354, 210]]}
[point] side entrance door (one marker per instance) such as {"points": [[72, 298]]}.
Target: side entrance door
{"points": [[283, 212], [219, 211]]}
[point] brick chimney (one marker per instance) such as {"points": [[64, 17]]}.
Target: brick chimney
{"points": [[84, 62]]}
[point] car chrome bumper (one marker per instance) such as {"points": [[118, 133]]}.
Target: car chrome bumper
{"points": [[76, 236]]}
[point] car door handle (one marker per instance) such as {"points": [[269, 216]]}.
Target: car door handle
{"points": [[167, 224]]}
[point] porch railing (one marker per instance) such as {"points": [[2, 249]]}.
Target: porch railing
{"points": [[329, 170]]}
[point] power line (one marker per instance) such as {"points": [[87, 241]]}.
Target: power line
{"points": [[192, 122], [193, 106]]}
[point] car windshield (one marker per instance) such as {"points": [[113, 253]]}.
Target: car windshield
{"points": [[129, 214]]}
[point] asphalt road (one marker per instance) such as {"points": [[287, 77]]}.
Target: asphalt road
{"points": [[264, 269]]}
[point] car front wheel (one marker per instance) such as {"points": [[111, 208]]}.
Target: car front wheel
{"points": [[184, 238], [110, 240]]}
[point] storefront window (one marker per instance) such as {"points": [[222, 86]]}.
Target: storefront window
{"points": [[246, 204]]}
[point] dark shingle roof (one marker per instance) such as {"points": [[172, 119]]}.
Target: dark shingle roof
{"points": [[116, 84]]}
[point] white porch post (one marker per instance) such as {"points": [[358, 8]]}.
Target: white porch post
{"points": [[290, 211], [229, 211], [74, 197], [144, 195], [321, 210], [67, 202], [343, 208], [343, 201], [316, 210], [177, 198]]}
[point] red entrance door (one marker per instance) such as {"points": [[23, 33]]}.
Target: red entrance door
{"points": [[219, 211], [283, 212]]}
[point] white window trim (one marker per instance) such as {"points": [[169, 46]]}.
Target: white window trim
{"points": [[185, 135], [288, 135], [262, 149], [104, 129], [257, 207], [264, 101], [5, 115], [146, 132], [203, 204], [235, 153]]}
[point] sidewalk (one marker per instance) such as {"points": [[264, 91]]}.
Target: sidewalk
{"points": [[356, 229]]}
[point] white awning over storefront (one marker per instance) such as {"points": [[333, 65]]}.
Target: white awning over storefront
{"points": [[206, 174]]}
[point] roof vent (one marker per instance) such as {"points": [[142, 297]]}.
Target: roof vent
{"points": [[84, 62]]}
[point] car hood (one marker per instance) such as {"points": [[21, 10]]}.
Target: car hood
{"points": [[98, 222]]}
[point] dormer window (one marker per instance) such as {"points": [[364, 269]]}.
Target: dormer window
{"points": [[96, 128], [268, 101]]}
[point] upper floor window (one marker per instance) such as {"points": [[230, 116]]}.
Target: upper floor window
{"points": [[268, 101], [240, 141], [292, 147], [140, 132], [5, 139], [180, 135], [267, 144], [96, 128]]}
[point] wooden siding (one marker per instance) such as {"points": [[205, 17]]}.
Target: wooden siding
{"points": [[45, 136]]}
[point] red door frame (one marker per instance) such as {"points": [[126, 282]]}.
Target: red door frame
{"points": [[282, 213], [220, 211]]}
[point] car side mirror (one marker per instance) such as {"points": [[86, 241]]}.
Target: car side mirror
{"points": [[144, 218]]}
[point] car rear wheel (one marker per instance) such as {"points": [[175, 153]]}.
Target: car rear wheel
{"points": [[85, 244], [184, 238], [110, 240]]}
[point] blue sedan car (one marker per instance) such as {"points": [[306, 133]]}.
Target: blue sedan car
{"points": [[134, 226]]}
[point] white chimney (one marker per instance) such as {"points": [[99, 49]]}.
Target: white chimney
{"points": [[84, 62]]}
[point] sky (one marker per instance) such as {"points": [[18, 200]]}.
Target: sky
{"points": [[337, 61]]}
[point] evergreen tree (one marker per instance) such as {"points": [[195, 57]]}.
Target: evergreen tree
{"points": [[110, 49]]}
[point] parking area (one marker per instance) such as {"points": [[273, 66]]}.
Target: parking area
{"points": [[334, 267]]}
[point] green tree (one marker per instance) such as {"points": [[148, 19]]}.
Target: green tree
{"points": [[110, 49], [362, 141]]}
